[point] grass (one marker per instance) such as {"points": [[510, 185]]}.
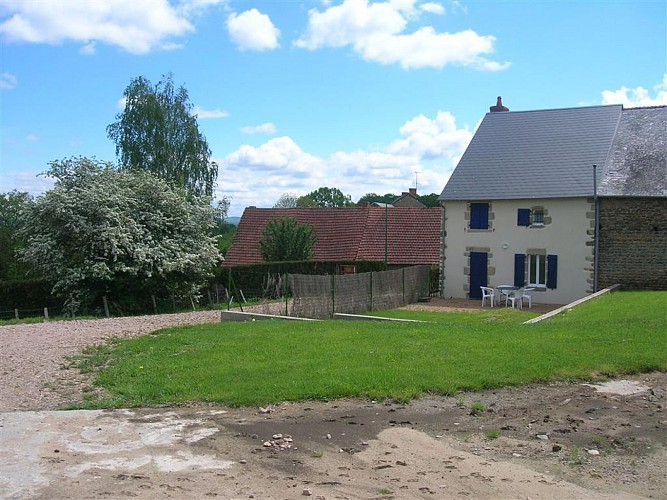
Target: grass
{"points": [[257, 363], [577, 456], [477, 409], [491, 435]]}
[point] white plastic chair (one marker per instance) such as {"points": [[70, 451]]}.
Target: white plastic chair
{"points": [[516, 299], [487, 293], [526, 295]]}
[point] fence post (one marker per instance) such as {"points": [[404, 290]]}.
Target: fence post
{"points": [[403, 284], [154, 303], [16, 313], [285, 290], [46, 313], [371, 287], [333, 295]]}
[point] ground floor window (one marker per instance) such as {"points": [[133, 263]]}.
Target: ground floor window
{"points": [[537, 270]]}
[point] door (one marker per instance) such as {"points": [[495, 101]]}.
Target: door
{"points": [[478, 273]]}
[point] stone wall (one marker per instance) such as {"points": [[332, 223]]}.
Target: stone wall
{"points": [[633, 243]]}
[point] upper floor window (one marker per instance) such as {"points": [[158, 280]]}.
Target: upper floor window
{"points": [[479, 216], [530, 216], [537, 216]]}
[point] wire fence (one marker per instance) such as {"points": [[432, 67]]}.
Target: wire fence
{"points": [[321, 296], [298, 295], [107, 306]]}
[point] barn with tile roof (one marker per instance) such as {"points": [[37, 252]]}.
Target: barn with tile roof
{"points": [[412, 235]]}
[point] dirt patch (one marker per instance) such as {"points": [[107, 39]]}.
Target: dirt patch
{"points": [[559, 440]]}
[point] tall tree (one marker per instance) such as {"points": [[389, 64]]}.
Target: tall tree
{"points": [[285, 240], [430, 200], [158, 132], [377, 198], [11, 206], [286, 200], [103, 231], [325, 197]]}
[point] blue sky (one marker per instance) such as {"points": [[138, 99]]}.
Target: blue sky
{"points": [[366, 96]]}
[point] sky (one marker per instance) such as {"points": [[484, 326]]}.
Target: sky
{"points": [[292, 95]]}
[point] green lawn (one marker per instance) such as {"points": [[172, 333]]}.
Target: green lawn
{"points": [[268, 361]]}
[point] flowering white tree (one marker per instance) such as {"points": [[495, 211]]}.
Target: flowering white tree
{"points": [[103, 231]]}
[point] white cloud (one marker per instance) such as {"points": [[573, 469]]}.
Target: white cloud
{"points": [[252, 30], [432, 138], [89, 49], [638, 96], [189, 8], [259, 175], [26, 182], [204, 114], [136, 27], [264, 128], [376, 31], [432, 8], [8, 81], [31, 138]]}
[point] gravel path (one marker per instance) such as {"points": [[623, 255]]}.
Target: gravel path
{"points": [[32, 355]]}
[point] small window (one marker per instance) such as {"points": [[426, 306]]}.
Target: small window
{"points": [[479, 216], [537, 216]]}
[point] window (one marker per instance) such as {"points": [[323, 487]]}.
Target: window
{"points": [[479, 216], [537, 217], [537, 270], [530, 217]]}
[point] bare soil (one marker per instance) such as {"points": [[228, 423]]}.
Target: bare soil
{"points": [[557, 440]]}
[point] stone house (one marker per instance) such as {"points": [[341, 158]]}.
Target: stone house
{"points": [[521, 207], [633, 203]]}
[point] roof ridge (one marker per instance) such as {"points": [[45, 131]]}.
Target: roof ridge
{"points": [[645, 107], [554, 109]]}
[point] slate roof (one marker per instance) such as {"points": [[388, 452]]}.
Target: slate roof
{"points": [[348, 234], [408, 200], [534, 154], [637, 162]]}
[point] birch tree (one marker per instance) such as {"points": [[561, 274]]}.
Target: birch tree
{"points": [[158, 132]]}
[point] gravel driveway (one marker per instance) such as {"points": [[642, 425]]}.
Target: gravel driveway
{"points": [[32, 355]]}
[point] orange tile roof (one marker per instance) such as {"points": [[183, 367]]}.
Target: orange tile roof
{"points": [[348, 234]]}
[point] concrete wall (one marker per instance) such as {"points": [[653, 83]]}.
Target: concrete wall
{"points": [[633, 243], [567, 233]]}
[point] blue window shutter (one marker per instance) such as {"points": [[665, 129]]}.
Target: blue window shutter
{"points": [[479, 216], [523, 217], [552, 270], [519, 269]]}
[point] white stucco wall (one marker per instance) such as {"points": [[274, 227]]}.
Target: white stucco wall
{"points": [[567, 233]]}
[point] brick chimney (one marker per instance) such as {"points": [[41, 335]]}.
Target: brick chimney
{"points": [[499, 106], [413, 191]]}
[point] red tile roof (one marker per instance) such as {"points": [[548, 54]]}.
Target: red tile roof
{"points": [[348, 234]]}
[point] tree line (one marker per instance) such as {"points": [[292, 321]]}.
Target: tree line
{"points": [[144, 224], [147, 223]]}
